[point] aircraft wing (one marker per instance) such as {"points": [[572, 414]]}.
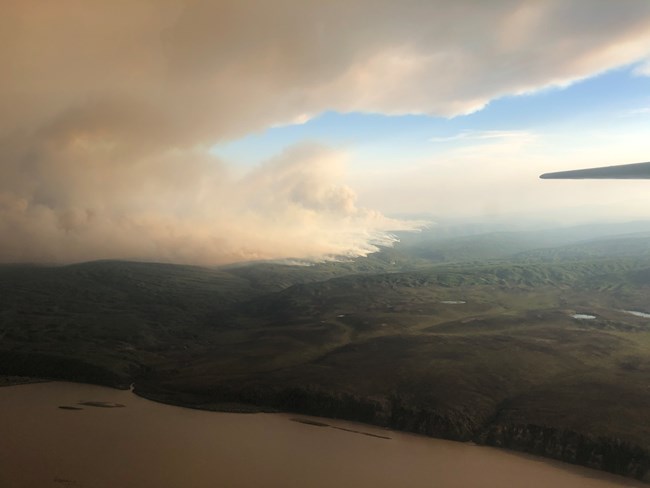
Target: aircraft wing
{"points": [[637, 171]]}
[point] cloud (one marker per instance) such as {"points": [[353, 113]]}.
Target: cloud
{"points": [[636, 112], [500, 178], [110, 108], [215, 69], [488, 136], [643, 68], [182, 207]]}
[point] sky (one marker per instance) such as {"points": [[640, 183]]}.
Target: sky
{"points": [[208, 132]]}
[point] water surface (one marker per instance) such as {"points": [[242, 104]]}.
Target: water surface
{"points": [[145, 444]]}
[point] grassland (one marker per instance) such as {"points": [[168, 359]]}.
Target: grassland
{"points": [[378, 339]]}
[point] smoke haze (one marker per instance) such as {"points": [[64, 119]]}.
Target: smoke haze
{"points": [[110, 108]]}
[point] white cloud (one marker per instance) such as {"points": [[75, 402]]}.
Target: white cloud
{"points": [[488, 135], [500, 177], [636, 112], [643, 68]]}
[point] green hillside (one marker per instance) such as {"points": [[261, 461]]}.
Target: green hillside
{"points": [[469, 348]]}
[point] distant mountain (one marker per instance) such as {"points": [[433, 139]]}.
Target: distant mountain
{"points": [[430, 246], [637, 245]]}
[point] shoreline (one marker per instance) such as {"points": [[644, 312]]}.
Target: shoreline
{"points": [[488, 436], [450, 458], [189, 401], [15, 380], [223, 407]]}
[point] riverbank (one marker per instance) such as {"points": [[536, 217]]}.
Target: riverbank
{"points": [[8, 380], [607, 455], [602, 453], [151, 444], [197, 403], [493, 428]]}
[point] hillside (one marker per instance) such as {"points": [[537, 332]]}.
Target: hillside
{"points": [[470, 348]]}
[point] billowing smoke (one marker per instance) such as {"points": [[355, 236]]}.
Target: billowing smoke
{"points": [[108, 110], [78, 200]]}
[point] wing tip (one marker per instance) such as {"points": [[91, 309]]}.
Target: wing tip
{"points": [[622, 172]]}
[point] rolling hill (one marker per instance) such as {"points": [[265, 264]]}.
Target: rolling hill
{"points": [[482, 338]]}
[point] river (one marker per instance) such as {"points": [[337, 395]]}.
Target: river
{"points": [[145, 444]]}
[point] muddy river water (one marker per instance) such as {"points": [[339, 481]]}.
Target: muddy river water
{"points": [[109, 438]]}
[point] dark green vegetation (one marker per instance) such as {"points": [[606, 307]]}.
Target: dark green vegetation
{"points": [[373, 339]]}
